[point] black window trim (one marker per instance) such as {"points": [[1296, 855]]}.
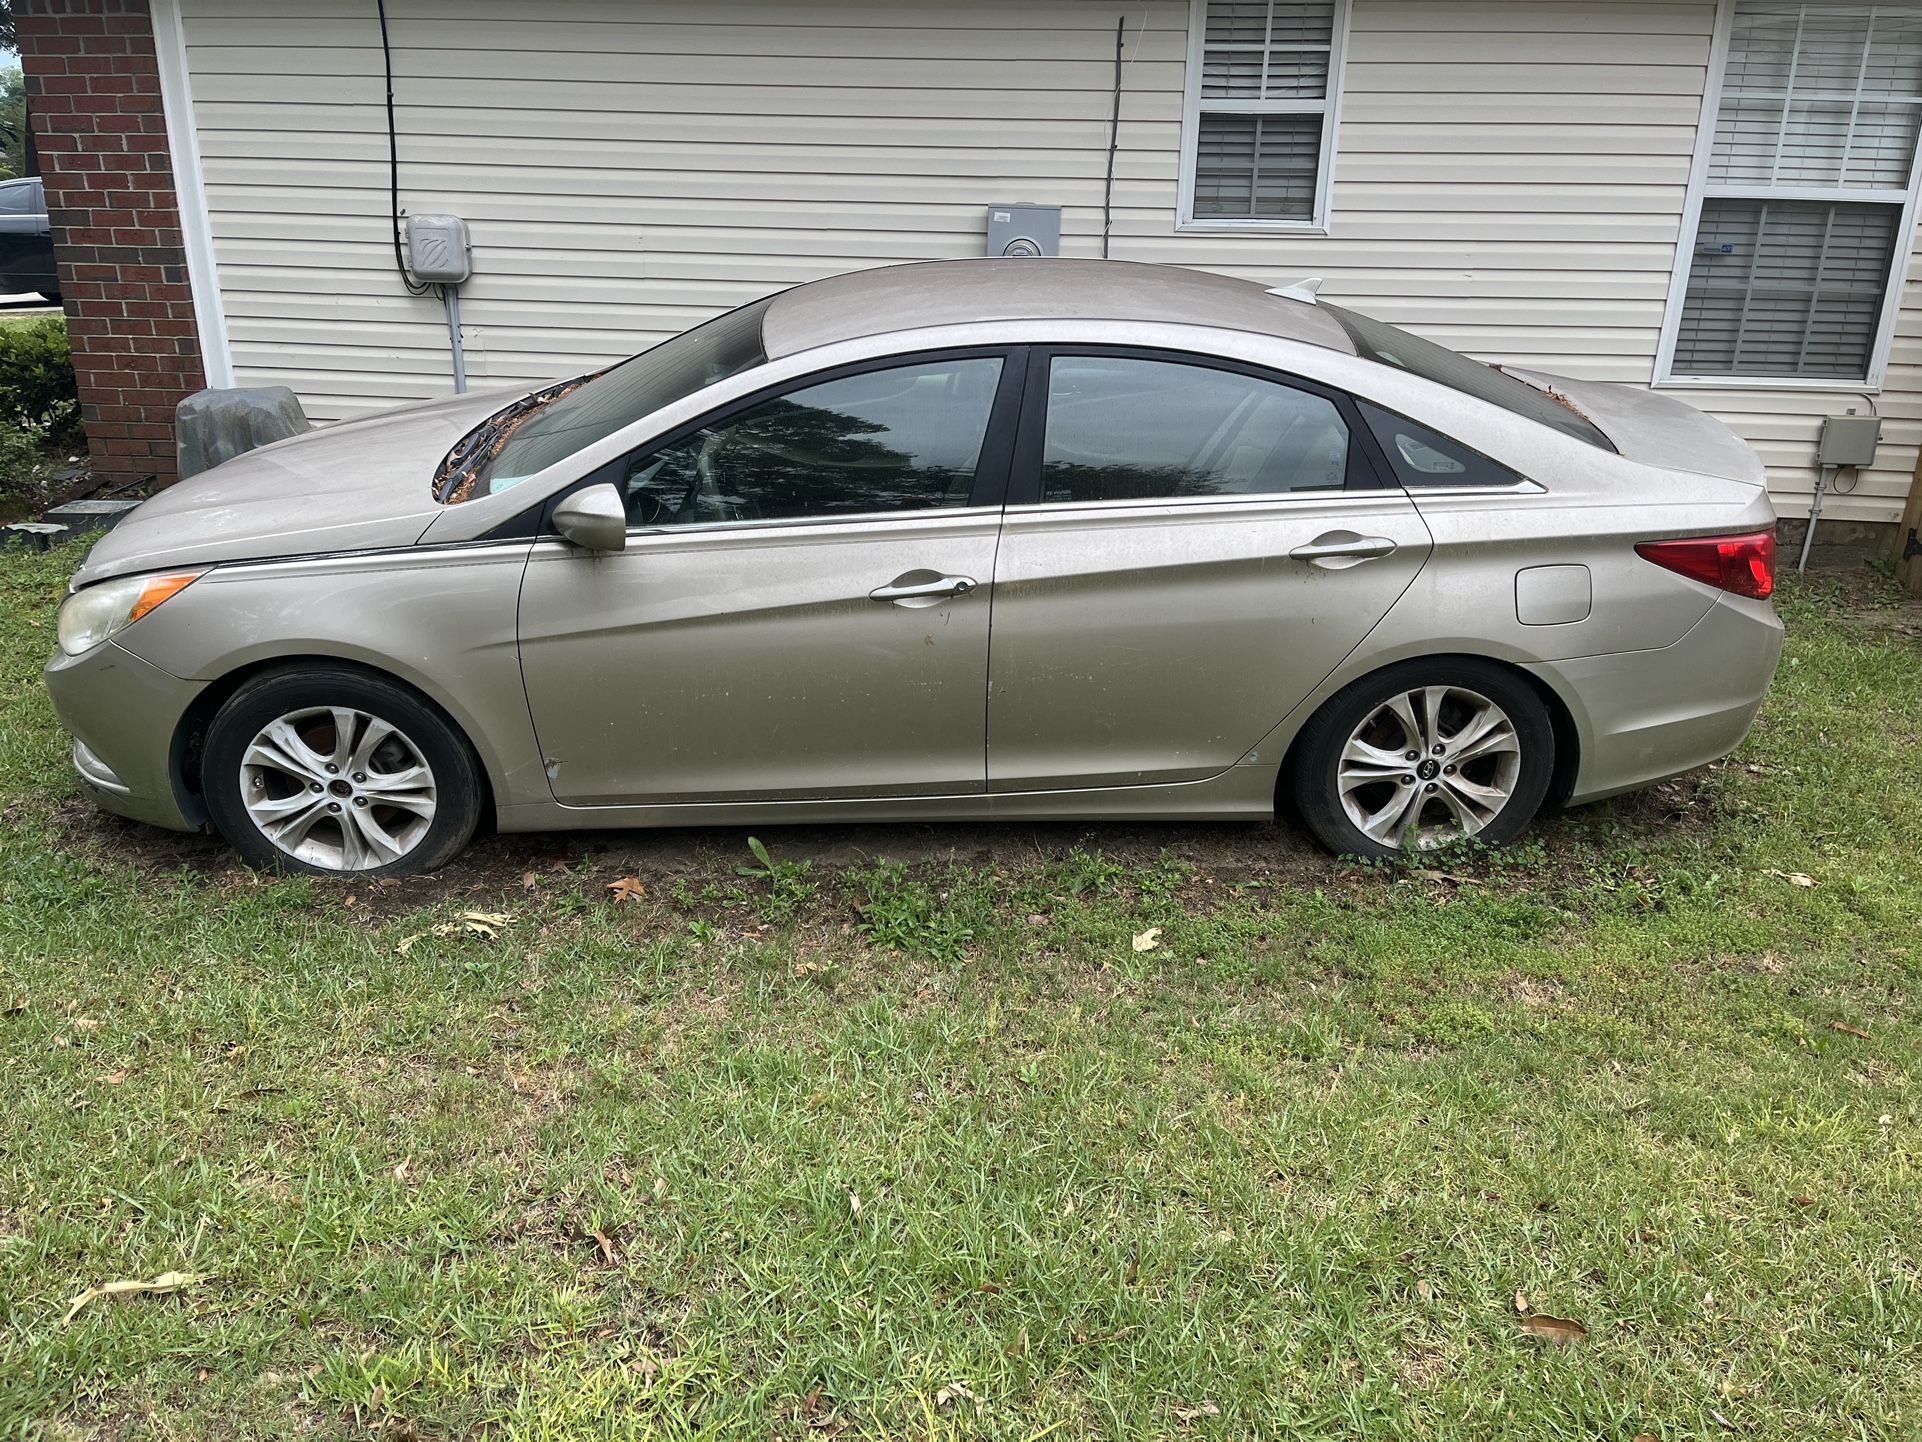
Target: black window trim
{"points": [[1367, 467], [991, 473]]}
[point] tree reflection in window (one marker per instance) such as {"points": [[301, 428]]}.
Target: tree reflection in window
{"points": [[903, 439], [1121, 428]]}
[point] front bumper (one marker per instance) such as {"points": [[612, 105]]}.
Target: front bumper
{"points": [[1644, 716], [124, 714]]}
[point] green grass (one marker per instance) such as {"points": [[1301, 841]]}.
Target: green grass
{"points": [[925, 1147]]}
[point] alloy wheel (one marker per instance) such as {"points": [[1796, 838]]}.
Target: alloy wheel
{"points": [[337, 788], [1429, 767]]}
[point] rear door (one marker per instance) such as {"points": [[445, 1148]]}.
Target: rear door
{"points": [[1190, 547]]}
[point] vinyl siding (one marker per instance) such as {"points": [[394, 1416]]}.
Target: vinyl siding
{"points": [[1509, 180]]}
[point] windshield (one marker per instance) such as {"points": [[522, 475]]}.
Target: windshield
{"points": [[1392, 346], [672, 371]]}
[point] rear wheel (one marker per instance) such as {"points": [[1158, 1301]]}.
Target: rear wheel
{"points": [[1423, 755], [339, 773]]}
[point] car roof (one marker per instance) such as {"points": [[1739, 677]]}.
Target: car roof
{"points": [[956, 292]]}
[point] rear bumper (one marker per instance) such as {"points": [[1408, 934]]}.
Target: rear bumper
{"points": [[1644, 716], [123, 714]]}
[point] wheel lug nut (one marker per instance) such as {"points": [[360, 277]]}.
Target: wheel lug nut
{"points": [[314, 785], [335, 805], [360, 776], [1408, 781], [331, 768], [1448, 770], [360, 801], [1438, 751], [1431, 787], [1412, 756]]}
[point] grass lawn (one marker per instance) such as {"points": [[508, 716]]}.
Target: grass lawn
{"points": [[926, 1146]]}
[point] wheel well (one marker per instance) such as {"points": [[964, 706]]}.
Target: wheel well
{"points": [[190, 737], [1568, 745]]}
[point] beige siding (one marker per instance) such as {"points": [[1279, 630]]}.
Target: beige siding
{"points": [[1510, 176]]}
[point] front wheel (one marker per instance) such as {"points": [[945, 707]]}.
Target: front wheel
{"points": [[339, 773], [1423, 755]]}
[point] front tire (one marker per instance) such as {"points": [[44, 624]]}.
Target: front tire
{"points": [[1423, 755], [335, 772]]}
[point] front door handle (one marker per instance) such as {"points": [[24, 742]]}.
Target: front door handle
{"points": [[1338, 550], [922, 588]]}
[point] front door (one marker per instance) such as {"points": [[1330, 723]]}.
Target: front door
{"points": [[1190, 548], [802, 607]]}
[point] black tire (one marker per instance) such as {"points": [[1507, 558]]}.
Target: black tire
{"points": [[459, 788], [1314, 785]]}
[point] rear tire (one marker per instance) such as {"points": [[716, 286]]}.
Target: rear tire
{"points": [[1423, 755], [336, 772]]}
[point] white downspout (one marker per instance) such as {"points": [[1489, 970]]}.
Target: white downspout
{"points": [[190, 190]]}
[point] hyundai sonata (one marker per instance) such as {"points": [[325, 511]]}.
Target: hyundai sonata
{"points": [[955, 540]]}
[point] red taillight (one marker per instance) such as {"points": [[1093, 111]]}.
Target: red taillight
{"points": [[1742, 564]]}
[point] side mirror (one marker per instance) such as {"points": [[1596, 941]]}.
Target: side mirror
{"points": [[594, 518]]}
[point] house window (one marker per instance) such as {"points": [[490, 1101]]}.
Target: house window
{"points": [[1264, 82], [1802, 204]]}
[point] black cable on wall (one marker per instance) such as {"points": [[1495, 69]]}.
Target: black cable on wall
{"points": [[393, 158], [1114, 139]]}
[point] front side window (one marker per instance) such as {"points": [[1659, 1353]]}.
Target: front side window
{"points": [[1120, 428], [1810, 166], [906, 438], [1263, 77]]}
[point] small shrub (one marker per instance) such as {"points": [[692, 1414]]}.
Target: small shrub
{"points": [[36, 380]]}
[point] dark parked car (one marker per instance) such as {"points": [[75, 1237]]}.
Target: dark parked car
{"points": [[26, 240]]}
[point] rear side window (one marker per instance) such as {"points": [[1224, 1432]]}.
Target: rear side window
{"points": [[20, 198], [1425, 457], [1125, 428], [1391, 346]]}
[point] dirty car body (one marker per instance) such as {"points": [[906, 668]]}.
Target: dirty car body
{"points": [[955, 540]]}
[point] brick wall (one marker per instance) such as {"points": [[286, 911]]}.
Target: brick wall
{"points": [[93, 90]]}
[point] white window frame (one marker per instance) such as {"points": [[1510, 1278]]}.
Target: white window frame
{"points": [[1328, 107], [1699, 189]]}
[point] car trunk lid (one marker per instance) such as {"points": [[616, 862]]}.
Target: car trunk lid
{"points": [[1656, 430]]}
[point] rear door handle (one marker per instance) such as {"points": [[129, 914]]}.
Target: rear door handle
{"points": [[1338, 550], [922, 588]]}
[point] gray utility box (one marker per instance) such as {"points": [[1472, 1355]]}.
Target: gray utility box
{"points": [[1848, 441], [438, 249], [1024, 230]]}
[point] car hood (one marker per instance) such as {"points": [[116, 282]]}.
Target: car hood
{"points": [[1656, 430], [354, 486]]}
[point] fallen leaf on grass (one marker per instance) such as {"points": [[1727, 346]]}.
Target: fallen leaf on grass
{"points": [[627, 888], [1521, 1302], [854, 1203], [606, 1244], [165, 1282], [13, 1006], [1848, 1030], [1148, 940], [85, 1023], [1562, 1331], [114, 1078], [1425, 1290], [1200, 1409], [1019, 1346], [954, 1392], [476, 923], [1793, 878]]}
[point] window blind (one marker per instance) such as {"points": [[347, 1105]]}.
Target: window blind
{"points": [[1808, 175], [1258, 138]]}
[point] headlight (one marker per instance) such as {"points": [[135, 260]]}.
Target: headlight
{"points": [[91, 616]]}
